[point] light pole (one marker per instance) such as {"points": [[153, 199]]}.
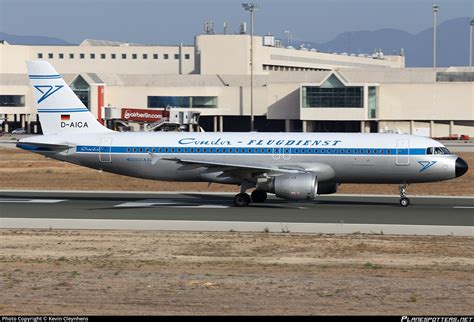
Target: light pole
{"points": [[288, 34], [435, 11], [471, 23], [251, 7]]}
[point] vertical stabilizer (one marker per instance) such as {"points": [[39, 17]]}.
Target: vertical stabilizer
{"points": [[60, 110]]}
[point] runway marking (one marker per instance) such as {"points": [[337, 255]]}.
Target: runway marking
{"points": [[463, 207], [31, 200], [167, 204], [203, 206], [141, 204]]}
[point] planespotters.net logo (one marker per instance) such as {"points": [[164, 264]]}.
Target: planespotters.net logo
{"points": [[134, 114], [437, 319]]}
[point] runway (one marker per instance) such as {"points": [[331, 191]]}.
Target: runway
{"points": [[215, 212]]}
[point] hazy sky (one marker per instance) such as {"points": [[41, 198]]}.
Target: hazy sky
{"points": [[174, 21]]}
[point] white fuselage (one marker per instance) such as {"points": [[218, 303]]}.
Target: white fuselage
{"points": [[334, 157]]}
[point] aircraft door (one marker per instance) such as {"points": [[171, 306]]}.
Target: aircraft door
{"points": [[403, 152], [105, 152]]}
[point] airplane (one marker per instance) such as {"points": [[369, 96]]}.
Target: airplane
{"points": [[293, 166]]}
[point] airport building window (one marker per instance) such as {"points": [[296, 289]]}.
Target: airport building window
{"points": [[50, 56], [82, 89], [82, 56], [71, 56], [113, 56], [155, 56], [186, 56], [372, 102], [182, 101], [145, 56], [176, 56], [61, 56], [333, 94], [134, 56], [92, 56], [124, 56], [40, 56], [102, 56], [12, 100], [165, 56]]}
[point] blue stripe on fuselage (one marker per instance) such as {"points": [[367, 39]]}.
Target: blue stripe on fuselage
{"points": [[234, 150]]}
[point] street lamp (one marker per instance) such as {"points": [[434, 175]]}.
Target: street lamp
{"points": [[288, 34], [435, 11], [251, 7], [471, 23]]}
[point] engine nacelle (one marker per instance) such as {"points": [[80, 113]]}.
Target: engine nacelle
{"points": [[301, 186], [327, 188]]}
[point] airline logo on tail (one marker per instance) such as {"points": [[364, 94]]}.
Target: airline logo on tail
{"points": [[47, 91]]}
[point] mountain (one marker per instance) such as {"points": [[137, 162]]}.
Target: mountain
{"points": [[452, 44], [452, 40], [31, 40]]}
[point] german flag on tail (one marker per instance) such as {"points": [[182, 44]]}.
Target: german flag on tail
{"points": [[65, 117]]}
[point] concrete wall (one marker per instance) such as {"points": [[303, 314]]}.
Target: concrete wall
{"points": [[283, 101], [436, 101], [12, 58], [230, 54], [224, 54], [433, 129]]}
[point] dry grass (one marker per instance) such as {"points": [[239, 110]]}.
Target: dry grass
{"points": [[90, 272]]}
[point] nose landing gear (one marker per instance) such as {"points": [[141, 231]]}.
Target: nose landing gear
{"points": [[404, 201]]}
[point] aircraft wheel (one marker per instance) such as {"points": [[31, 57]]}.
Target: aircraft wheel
{"points": [[258, 196], [241, 200], [404, 202]]}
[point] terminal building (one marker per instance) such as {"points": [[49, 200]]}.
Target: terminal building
{"points": [[293, 89]]}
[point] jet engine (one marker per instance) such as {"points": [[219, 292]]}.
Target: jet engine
{"points": [[301, 186]]}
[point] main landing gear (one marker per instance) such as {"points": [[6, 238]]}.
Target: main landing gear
{"points": [[243, 199], [404, 201]]}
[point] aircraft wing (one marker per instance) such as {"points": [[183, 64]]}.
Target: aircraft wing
{"points": [[323, 171], [229, 165]]}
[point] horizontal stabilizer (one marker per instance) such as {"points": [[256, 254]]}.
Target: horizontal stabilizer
{"points": [[42, 147]]}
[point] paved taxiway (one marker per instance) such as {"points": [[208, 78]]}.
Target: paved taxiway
{"points": [[215, 212]]}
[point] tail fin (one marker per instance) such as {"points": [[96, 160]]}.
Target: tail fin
{"points": [[60, 110]]}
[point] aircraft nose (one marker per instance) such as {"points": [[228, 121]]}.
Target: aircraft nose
{"points": [[461, 167]]}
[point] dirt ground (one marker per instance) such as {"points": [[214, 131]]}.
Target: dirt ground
{"points": [[25, 170], [106, 272], [49, 272]]}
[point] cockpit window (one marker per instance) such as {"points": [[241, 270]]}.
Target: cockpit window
{"points": [[445, 150], [438, 150]]}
